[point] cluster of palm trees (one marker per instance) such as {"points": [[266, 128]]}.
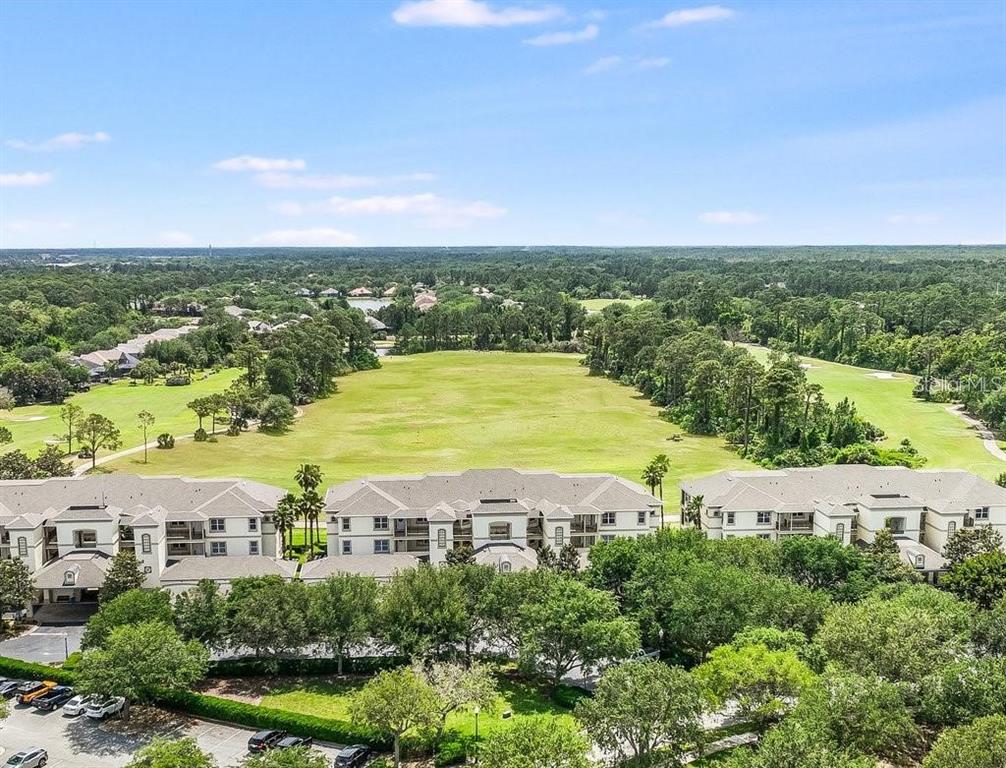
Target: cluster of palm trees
{"points": [[653, 476], [307, 506]]}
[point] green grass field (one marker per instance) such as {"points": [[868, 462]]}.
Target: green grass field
{"points": [[596, 305], [331, 699], [887, 401], [448, 411], [32, 425]]}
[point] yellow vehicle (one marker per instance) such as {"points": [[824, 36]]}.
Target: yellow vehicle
{"points": [[31, 691]]}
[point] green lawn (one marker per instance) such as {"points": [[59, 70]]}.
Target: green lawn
{"points": [[887, 401], [448, 411], [596, 305], [33, 425], [331, 699]]}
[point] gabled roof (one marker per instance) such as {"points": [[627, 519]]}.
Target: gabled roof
{"points": [[226, 568], [82, 570], [378, 566], [488, 491], [877, 487]]}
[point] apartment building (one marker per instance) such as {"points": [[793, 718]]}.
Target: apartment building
{"points": [[923, 508], [504, 514], [67, 529]]}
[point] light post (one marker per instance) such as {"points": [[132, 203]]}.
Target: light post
{"points": [[66, 646], [477, 710]]}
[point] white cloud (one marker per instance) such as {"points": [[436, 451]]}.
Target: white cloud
{"points": [[589, 32], [316, 236], [469, 13], [686, 16], [655, 62], [70, 140], [604, 64], [252, 163], [26, 179], [334, 181], [730, 217], [432, 209], [175, 238]]}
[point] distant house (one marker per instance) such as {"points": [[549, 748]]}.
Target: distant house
{"points": [[329, 293], [482, 292], [376, 326], [303, 292], [390, 292], [424, 301], [361, 293], [235, 311], [127, 354]]}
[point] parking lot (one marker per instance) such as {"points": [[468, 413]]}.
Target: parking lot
{"points": [[84, 743]]}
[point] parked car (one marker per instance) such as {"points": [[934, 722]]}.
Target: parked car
{"points": [[35, 757], [79, 703], [264, 740], [53, 698], [105, 707], [287, 742], [33, 689], [9, 687], [353, 757]]}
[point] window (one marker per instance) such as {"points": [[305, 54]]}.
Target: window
{"points": [[607, 537], [560, 536], [147, 569], [218, 548], [145, 543], [499, 531], [217, 525], [982, 514], [505, 566], [347, 547], [380, 523], [22, 546], [345, 523], [607, 518], [764, 518], [252, 524], [951, 528], [840, 532], [641, 518], [729, 518], [252, 547], [382, 546], [442, 538], [85, 539]]}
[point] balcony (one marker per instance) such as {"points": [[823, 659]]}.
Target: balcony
{"points": [[583, 527], [185, 532], [413, 546], [407, 529], [796, 523], [582, 542]]}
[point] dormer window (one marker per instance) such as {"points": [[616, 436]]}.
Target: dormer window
{"points": [[69, 578]]}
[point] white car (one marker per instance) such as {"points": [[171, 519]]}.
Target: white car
{"points": [[105, 707], [35, 757], [79, 703]]}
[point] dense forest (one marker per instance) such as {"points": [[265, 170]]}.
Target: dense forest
{"points": [[939, 313]]}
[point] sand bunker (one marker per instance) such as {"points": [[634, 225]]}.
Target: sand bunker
{"points": [[882, 375], [25, 418]]}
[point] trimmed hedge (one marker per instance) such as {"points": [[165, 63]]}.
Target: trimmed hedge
{"points": [[26, 670], [259, 717], [363, 665]]}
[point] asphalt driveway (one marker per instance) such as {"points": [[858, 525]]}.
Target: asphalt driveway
{"points": [[84, 743], [43, 645]]}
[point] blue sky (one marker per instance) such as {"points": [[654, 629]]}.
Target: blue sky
{"points": [[448, 122]]}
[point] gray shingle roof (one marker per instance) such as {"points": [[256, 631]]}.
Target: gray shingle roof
{"points": [[944, 490], [209, 498], [88, 569], [506, 490], [225, 568], [378, 566]]}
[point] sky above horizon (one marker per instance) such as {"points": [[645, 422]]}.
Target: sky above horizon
{"points": [[456, 122]]}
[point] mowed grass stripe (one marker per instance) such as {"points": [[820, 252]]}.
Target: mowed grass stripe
{"points": [[448, 411]]}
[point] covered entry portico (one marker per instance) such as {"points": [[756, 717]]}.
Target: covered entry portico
{"points": [[74, 578]]}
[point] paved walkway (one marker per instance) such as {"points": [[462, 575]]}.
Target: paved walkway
{"points": [[84, 468], [719, 746], [986, 435]]}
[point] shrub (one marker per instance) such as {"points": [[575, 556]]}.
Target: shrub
{"points": [[200, 435], [25, 670], [364, 665], [177, 381], [165, 441]]}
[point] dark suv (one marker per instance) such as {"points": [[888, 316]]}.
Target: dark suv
{"points": [[353, 757], [53, 698], [264, 740]]}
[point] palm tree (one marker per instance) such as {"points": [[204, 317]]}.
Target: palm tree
{"points": [[693, 510], [662, 463], [285, 516], [308, 477], [651, 476], [311, 506]]}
